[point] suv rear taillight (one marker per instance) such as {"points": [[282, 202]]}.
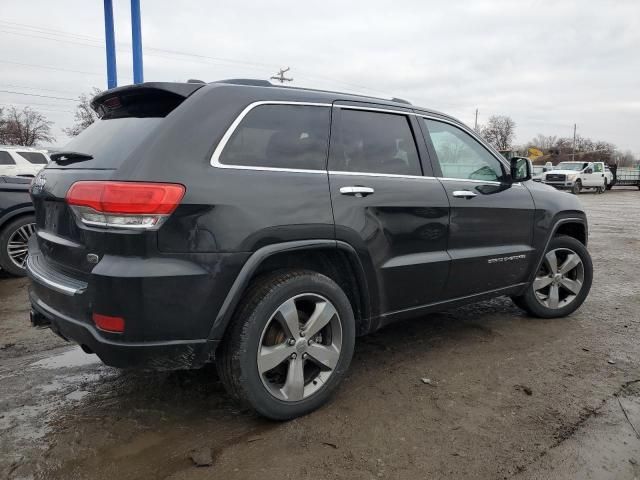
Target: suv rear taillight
{"points": [[130, 205]]}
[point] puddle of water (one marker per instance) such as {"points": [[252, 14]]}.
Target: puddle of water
{"points": [[75, 357]]}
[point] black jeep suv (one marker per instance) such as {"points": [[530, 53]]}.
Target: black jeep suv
{"points": [[264, 228]]}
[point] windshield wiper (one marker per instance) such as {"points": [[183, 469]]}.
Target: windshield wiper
{"points": [[65, 158]]}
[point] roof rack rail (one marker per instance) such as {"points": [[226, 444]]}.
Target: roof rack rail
{"points": [[247, 81], [400, 100], [195, 80]]}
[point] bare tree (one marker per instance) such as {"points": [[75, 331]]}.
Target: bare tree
{"points": [[543, 142], [25, 127], [499, 131], [3, 128], [84, 114], [625, 159]]}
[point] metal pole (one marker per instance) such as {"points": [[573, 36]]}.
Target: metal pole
{"points": [[112, 74], [475, 127], [573, 151], [136, 40]]}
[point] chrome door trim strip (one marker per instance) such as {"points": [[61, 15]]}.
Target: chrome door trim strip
{"points": [[372, 174], [35, 274], [374, 109]]}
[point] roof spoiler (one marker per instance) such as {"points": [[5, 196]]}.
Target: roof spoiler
{"points": [[152, 99]]}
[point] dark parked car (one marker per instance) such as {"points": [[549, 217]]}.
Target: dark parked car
{"points": [[264, 228], [16, 223]]}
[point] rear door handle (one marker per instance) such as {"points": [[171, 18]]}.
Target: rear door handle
{"points": [[356, 191], [464, 194]]}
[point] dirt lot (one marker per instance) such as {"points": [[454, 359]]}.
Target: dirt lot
{"points": [[510, 396]]}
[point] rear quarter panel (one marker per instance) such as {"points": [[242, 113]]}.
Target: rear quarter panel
{"points": [[227, 210]]}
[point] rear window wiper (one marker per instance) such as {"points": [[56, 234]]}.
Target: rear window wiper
{"points": [[64, 158]]}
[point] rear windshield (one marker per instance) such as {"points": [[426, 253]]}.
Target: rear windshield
{"points": [[34, 157], [109, 142]]}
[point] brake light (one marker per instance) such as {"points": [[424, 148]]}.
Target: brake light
{"points": [[132, 205], [109, 324]]}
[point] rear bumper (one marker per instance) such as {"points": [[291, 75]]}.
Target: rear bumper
{"points": [[165, 355], [168, 303]]}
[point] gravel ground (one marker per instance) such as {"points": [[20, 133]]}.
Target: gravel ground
{"points": [[510, 396]]}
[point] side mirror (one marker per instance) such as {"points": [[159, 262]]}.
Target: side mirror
{"points": [[520, 169], [589, 170]]}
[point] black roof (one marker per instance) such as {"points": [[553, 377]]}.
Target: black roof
{"points": [[256, 86], [330, 94]]}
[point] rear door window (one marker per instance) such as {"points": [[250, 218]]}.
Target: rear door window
{"points": [[374, 142], [280, 136], [6, 159], [34, 157]]}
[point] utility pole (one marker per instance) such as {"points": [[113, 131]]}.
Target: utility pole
{"points": [[475, 126], [136, 42], [112, 74], [573, 150], [280, 76]]}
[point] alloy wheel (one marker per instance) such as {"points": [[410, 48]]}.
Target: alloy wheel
{"points": [[17, 247], [560, 278], [299, 347]]}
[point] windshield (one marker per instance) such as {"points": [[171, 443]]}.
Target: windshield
{"points": [[571, 166]]}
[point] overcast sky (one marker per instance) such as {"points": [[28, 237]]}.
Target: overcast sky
{"points": [[547, 64]]}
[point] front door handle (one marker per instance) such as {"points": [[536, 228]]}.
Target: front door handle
{"points": [[464, 194], [356, 191]]}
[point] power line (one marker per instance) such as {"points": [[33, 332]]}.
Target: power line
{"points": [[49, 67], [36, 95], [11, 85], [45, 29], [40, 105], [160, 51], [100, 44]]}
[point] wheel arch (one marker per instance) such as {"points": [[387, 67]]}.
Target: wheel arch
{"points": [[14, 214], [337, 260], [572, 226]]}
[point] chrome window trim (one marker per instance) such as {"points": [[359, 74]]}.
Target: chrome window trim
{"points": [[451, 179], [373, 174], [215, 158], [489, 182], [374, 109]]}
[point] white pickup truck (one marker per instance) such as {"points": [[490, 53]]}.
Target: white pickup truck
{"points": [[576, 176]]}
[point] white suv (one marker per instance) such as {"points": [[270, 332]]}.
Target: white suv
{"points": [[22, 161]]}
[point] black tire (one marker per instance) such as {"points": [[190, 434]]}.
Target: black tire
{"points": [[607, 185], [237, 356], [530, 303], [577, 187], [8, 230]]}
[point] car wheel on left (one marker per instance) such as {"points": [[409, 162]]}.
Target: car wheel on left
{"points": [[14, 239], [290, 344]]}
